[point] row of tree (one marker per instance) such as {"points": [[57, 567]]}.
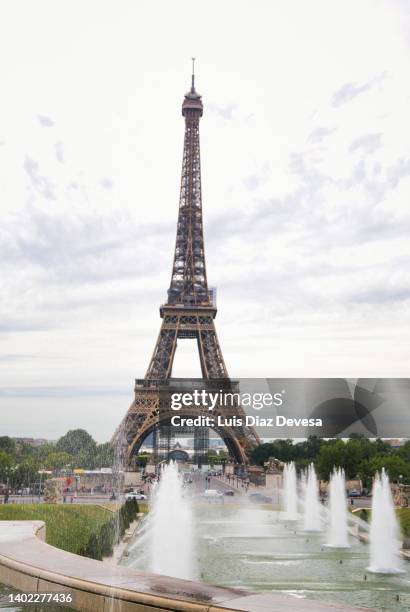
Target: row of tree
{"points": [[20, 462], [358, 456]]}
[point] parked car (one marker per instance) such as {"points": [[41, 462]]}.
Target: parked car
{"points": [[213, 495], [353, 493], [230, 493], [135, 495], [259, 498]]}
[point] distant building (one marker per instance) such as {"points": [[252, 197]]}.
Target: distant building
{"points": [[395, 442], [35, 442]]}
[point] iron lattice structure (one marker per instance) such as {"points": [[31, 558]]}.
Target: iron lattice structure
{"points": [[189, 312]]}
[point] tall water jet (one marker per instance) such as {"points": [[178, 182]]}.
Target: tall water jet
{"points": [[302, 489], [312, 512], [171, 527], [290, 498], [337, 531], [384, 529]]}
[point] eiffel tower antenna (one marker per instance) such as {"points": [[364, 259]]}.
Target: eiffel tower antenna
{"points": [[193, 75]]}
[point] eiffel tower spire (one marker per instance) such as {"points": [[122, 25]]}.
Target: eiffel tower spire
{"points": [[188, 281]]}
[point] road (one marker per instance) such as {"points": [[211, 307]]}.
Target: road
{"points": [[35, 499], [221, 484], [201, 483], [360, 502], [198, 486]]}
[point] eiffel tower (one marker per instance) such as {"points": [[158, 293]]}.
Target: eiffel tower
{"points": [[189, 312]]}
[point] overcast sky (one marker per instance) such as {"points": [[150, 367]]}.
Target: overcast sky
{"points": [[306, 181]]}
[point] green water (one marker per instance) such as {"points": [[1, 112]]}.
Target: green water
{"points": [[250, 547]]}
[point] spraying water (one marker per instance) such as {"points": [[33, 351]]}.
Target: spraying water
{"points": [[337, 532], [312, 513], [290, 498], [171, 527], [302, 490], [384, 530]]}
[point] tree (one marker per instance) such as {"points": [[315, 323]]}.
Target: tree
{"points": [[25, 474], [366, 473], [142, 460], [76, 441], [310, 448], [404, 451], [7, 445], [284, 450], [6, 463], [384, 448], [212, 457], [358, 456], [394, 465], [43, 451], [24, 450], [104, 455], [356, 451], [262, 452], [57, 460], [332, 454]]}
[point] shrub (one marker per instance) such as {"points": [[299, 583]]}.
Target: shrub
{"points": [[93, 548], [106, 538]]}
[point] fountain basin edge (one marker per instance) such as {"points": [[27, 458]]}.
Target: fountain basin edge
{"points": [[28, 564]]}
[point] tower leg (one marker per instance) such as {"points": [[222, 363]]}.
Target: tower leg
{"points": [[210, 354], [160, 366]]}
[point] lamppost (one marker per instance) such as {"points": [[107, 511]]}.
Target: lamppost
{"points": [[39, 488]]}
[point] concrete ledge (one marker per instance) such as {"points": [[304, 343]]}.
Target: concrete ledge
{"points": [[29, 564]]}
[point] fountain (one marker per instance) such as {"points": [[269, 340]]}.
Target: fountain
{"points": [[337, 531], [312, 512], [384, 529], [171, 527], [246, 545], [290, 498]]}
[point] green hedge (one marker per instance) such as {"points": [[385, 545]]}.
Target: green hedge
{"points": [[83, 529], [100, 543]]}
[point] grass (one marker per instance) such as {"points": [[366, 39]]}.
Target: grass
{"points": [[68, 527], [403, 515]]}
